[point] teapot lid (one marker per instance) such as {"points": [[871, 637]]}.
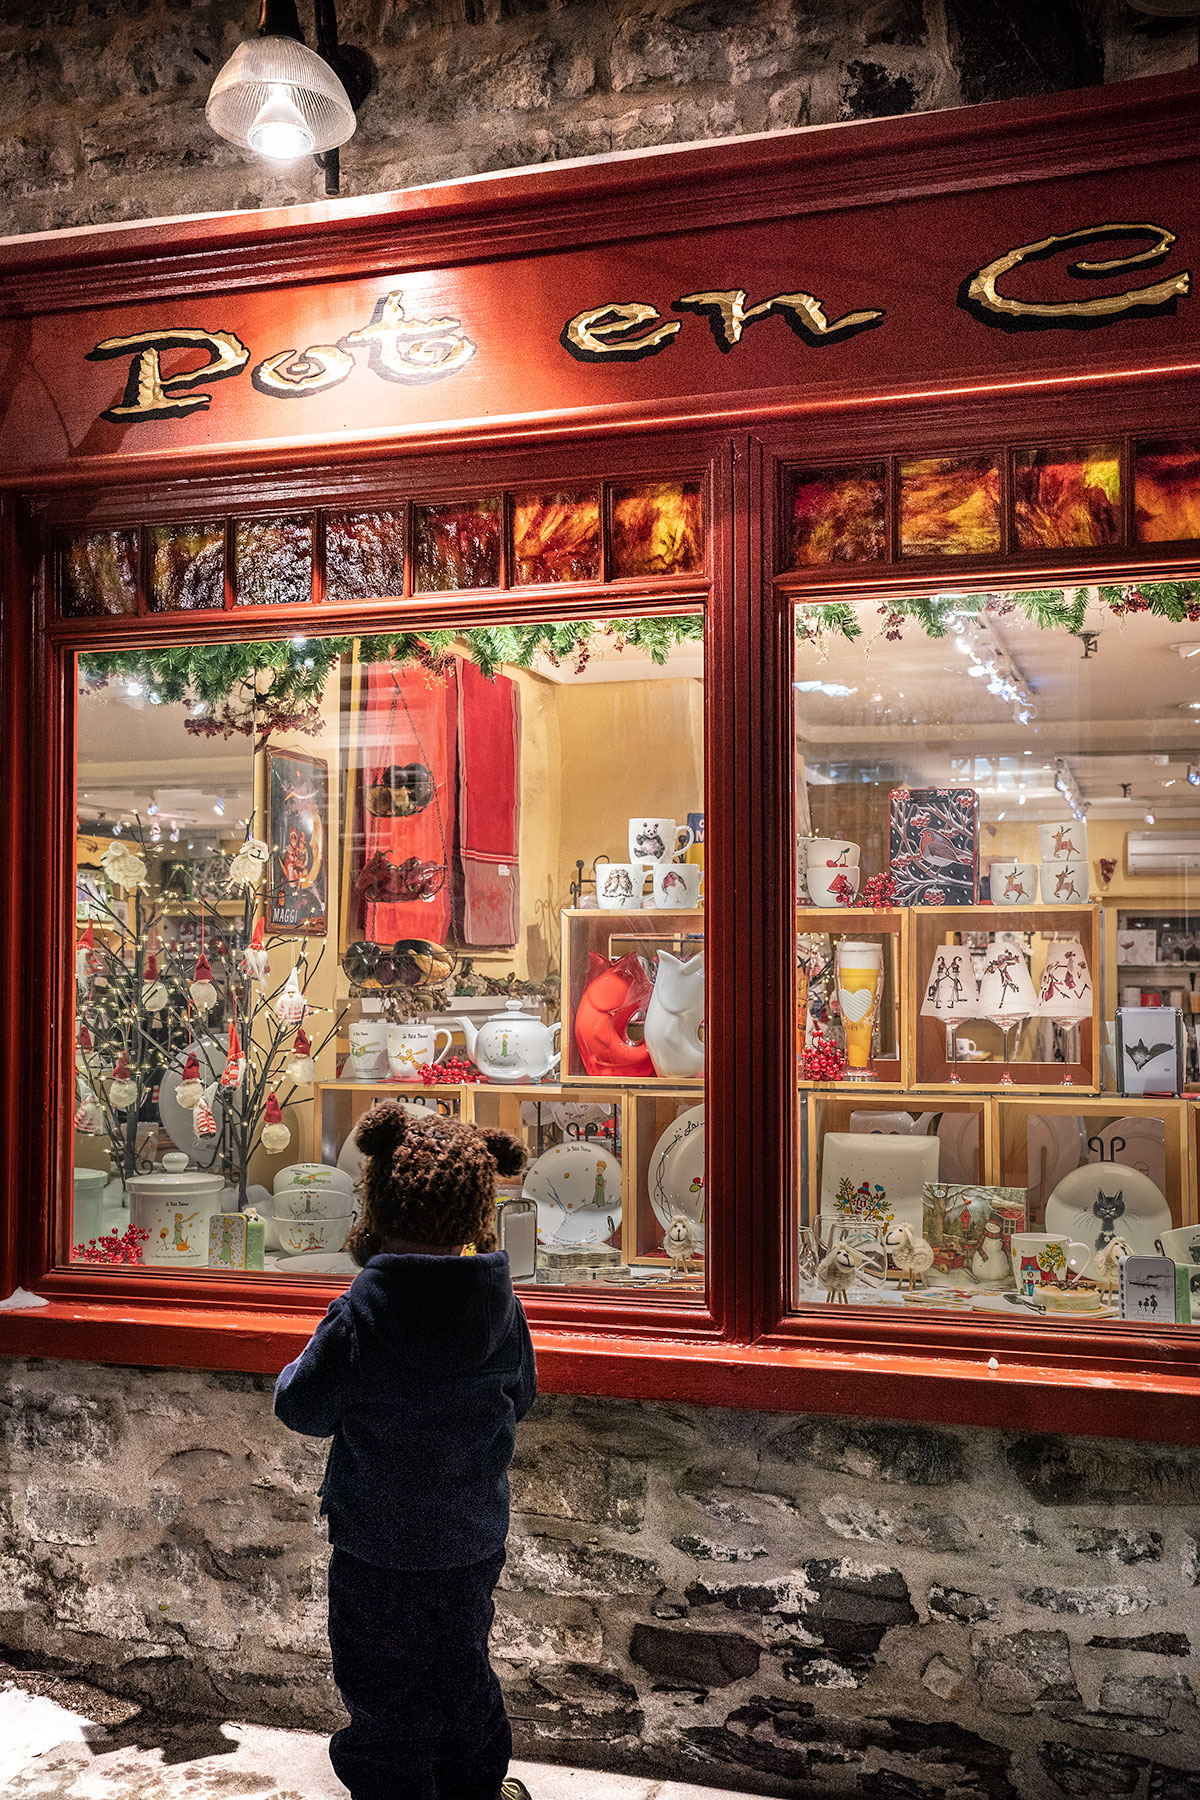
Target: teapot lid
{"points": [[511, 1007]]}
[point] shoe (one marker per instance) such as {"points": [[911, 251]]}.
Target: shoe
{"points": [[512, 1789]]}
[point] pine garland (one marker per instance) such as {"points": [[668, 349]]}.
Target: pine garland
{"points": [[1050, 609]]}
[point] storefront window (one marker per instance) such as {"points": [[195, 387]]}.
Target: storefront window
{"points": [[464, 871], [998, 939]]}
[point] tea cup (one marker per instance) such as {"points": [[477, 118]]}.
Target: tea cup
{"points": [[297, 1236], [677, 885], [1040, 1256], [833, 887], [620, 886], [1063, 843], [1013, 883], [830, 853], [1182, 1244], [311, 1203], [1065, 883], [658, 840], [411, 1046]]}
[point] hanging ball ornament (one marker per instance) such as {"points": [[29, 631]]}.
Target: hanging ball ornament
{"points": [[154, 995], [123, 866], [201, 988], [250, 864], [300, 1067], [204, 1123], [275, 1134], [191, 1089], [122, 1088]]}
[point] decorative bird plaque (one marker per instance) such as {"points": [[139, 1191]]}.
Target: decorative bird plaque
{"points": [[934, 846]]}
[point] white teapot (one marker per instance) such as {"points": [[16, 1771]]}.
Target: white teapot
{"points": [[512, 1045]]}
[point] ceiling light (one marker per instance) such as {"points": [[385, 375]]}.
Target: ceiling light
{"points": [[1186, 651], [219, 807], [1189, 706], [1149, 818], [152, 810], [1193, 776]]}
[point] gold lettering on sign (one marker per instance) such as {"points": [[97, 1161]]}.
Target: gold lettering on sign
{"points": [[149, 394], [411, 350], [728, 315], [292, 374], [981, 296], [602, 333]]}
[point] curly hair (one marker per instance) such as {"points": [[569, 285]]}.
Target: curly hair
{"points": [[432, 1181]]}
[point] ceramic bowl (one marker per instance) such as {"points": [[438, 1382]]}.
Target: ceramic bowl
{"points": [[298, 1237], [313, 1203], [825, 885], [1065, 883], [312, 1175]]}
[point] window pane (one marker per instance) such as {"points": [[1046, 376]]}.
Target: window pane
{"points": [[949, 506], [457, 546], [1067, 497], [368, 870], [838, 515], [997, 958], [556, 537], [364, 555], [1166, 490], [188, 570], [274, 562], [657, 529], [100, 574]]}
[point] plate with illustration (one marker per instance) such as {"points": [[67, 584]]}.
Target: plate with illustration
{"points": [[676, 1176], [1106, 1200], [577, 1188]]}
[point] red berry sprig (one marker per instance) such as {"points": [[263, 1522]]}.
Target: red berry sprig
{"points": [[111, 1248], [879, 893], [822, 1058], [455, 1069]]}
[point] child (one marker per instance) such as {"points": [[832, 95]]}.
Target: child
{"points": [[419, 1372]]}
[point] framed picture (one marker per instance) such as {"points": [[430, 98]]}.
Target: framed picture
{"points": [[298, 837]]}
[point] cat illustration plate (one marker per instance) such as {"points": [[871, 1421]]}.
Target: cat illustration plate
{"points": [[676, 1175], [1103, 1200], [577, 1188]]}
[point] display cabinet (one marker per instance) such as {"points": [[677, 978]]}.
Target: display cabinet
{"points": [[1140, 1152], [609, 967], [957, 1133], [822, 999], [339, 1105]]}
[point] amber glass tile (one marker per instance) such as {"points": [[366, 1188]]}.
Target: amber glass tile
{"points": [[1166, 492], [99, 574], [657, 529], [1067, 497], [556, 537], [456, 546], [949, 506], [188, 568], [364, 555], [273, 558], [838, 515]]}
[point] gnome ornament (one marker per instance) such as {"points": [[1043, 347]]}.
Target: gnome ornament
{"points": [[191, 1089], [154, 995], [85, 955], [89, 1115], [204, 1123], [84, 1047], [275, 1134], [201, 988], [122, 1088], [235, 1062], [300, 1067], [290, 1005], [255, 960]]}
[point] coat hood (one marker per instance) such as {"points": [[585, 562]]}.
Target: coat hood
{"points": [[451, 1313]]}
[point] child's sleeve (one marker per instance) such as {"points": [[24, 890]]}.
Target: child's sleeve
{"points": [[525, 1390], [311, 1393]]}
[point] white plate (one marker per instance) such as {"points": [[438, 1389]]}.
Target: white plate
{"points": [[1054, 1143], [676, 1176], [1012, 1309], [577, 1188], [880, 1179], [1145, 1146], [178, 1121], [351, 1159], [331, 1262], [1144, 1216]]}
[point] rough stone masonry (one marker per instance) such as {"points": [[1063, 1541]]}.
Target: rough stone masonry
{"points": [[793, 1606]]}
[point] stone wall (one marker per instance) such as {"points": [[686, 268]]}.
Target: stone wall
{"points": [[102, 101], [790, 1606]]}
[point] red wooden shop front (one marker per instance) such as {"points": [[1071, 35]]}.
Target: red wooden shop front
{"points": [[722, 313]]}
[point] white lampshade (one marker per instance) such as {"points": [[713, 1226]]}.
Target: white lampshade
{"points": [[278, 98], [1006, 994], [951, 993], [1065, 990]]}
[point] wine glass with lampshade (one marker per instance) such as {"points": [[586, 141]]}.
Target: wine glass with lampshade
{"points": [[1006, 995], [1065, 988], [951, 995]]}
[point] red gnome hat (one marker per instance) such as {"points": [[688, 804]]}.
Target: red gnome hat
{"points": [[271, 1113], [203, 969], [302, 1047], [87, 939], [256, 937], [191, 1068], [152, 967], [121, 1069]]}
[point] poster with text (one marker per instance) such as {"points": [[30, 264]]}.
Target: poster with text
{"points": [[297, 833]]}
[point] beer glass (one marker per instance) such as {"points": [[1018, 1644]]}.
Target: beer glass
{"points": [[859, 967]]}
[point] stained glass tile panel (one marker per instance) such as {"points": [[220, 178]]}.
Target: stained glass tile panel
{"points": [[657, 529], [188, 568], [556, 537], [100, 574], [1166, 492], [273, 558], [364, 555], [838, 515], [456, 546], [950, 506], [1065, 498]]}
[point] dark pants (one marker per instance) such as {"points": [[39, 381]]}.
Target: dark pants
{"points": [[410, 1656]]}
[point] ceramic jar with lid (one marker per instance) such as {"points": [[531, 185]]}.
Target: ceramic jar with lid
{"points": [[174, 1205]]}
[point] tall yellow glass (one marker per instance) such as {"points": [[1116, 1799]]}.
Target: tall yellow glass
{"points": [[859, 983]]}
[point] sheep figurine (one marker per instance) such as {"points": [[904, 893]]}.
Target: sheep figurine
{"points": [[911, 1254], [836, 1272], [679, 1243], [1106, 1267]]}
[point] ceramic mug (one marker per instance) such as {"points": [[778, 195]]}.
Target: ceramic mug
{"points": [[1182, 1244], [411, 1046], [1013, 883], [1041, 1256], [1063, 843], [830, 853], [1065, 883], [677, 885], [833, 887], [619, 886], [368, 1050], [657, 840]]}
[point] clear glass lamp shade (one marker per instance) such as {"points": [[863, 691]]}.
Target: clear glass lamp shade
{"points": [[279, 99]]}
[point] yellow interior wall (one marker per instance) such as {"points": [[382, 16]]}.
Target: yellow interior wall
{"points": [[1106, 838]]}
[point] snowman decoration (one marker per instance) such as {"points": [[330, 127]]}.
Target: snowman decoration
{"points": [[990, 1265]]}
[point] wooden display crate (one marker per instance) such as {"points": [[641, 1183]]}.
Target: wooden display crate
{"points": [[612, 934], [339, 1105], [495, 1104], [1011, 1159], [649, 1112], [893, 1063], [832, 1109], [936, 925]]}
